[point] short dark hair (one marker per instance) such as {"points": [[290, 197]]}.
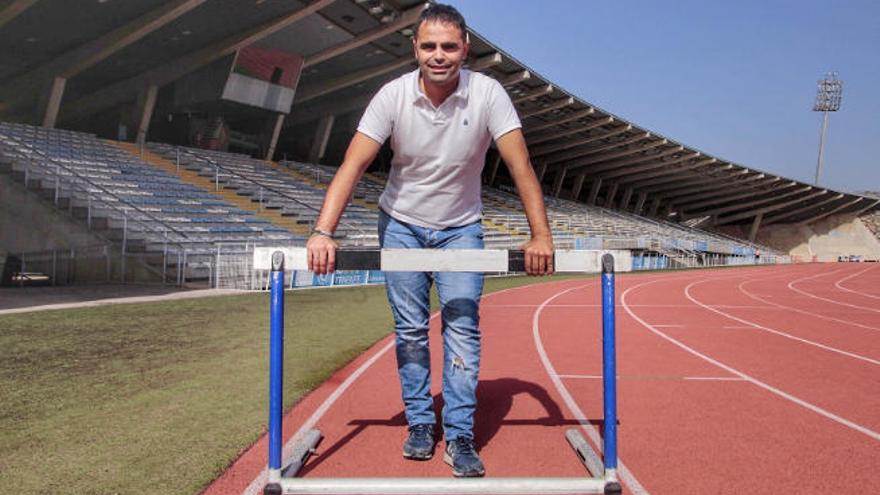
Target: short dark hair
{"points": [[440, 12]]}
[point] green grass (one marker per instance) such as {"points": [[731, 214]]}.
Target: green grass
{"points": [[161, 397]]}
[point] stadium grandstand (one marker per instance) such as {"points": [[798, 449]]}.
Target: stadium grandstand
{"points": [[162, 140]]}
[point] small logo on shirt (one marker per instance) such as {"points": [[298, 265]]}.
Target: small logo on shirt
{"points": [[465, 122]]}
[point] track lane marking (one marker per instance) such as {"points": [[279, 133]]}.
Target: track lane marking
{"points": [[742, 289], [687, 294], [655, 378], [816, 409], [626, 475], [856, 306], [841, 287]]}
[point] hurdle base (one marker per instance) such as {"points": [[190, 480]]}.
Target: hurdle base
{"points": [[613, 488], [441, 486], [289, 484]]}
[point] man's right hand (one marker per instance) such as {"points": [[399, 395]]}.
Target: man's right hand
{"points": [[322, 254]]}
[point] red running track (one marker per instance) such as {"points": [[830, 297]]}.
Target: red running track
{"points": [[746, 380]]}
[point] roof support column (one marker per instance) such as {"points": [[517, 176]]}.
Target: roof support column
{"points": [[146, 102], [322, 137], [494, 171], [50, 103], [276, 132], [578, 185], [640, 203], [655, 205], [609, 198], [557, 182], [756, 224], [627, 196], [594, 190]]}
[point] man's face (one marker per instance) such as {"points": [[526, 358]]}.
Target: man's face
{"points": [[440, 50]]}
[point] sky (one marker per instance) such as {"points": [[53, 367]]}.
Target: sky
{"points": [[736, 80]]}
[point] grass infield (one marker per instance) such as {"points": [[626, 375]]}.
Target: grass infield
{"points": [[161, 397]]}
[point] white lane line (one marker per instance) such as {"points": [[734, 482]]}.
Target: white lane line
{"points": [[816, 409], [732, 306], [625, 475], [668, 326], [535, 306], [673, 306], [839, 285], [797, 310], [832, 301], [656, 378], [737, 327], [687, 293], [715, 378], [256, 486]]}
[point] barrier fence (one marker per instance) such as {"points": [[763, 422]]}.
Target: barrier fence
{"points": [[230, 265]]}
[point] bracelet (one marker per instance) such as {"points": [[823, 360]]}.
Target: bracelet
{"points": [[317, 231]]}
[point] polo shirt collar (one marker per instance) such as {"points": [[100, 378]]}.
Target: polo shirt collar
{"points": [[461, 92]]}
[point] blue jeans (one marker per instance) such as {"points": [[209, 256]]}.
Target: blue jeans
{"points": [[408, 295]]}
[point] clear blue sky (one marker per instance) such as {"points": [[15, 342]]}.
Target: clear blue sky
{"points": [[734, 79]]}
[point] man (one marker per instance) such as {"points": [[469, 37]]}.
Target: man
{"points": [[440, 119]]}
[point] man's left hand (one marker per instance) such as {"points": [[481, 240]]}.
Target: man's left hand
{"points": [[539, 256]]}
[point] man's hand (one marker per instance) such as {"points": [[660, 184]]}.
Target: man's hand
{"points": [[539, 255], [321, 254]]}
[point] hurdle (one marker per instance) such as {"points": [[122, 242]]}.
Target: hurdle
{"points": [[602, 469]]}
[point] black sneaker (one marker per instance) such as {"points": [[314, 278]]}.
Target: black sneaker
{"points": [[462, 456], [419, 444]]}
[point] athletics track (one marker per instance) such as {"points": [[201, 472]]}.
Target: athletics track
{"points": [[745, 380]]}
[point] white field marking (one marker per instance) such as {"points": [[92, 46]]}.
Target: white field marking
{"points": [[256, 486], [677, 306], [535, 306], [687, 293], [656, 378], [841, 287], [625, 475], [816, 409], [737, 327], [715, 378], [668, 326], [732, 306], [792, 287], [742, 289]]}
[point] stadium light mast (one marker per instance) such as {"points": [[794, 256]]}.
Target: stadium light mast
{"points": [[828, 95]]}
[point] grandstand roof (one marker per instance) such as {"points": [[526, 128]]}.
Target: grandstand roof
{"points": [[103, 53]]}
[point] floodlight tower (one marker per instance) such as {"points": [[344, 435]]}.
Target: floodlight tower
{"points": [[828, 94]]}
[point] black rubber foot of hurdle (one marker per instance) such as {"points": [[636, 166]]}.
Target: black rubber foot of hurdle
{"points": [[613, 488], [272, 489]]}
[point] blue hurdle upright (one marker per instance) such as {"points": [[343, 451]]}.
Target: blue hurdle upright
{"points": [[283, 480]]}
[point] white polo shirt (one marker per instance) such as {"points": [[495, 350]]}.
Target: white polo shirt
{"points": [[439, 152]]}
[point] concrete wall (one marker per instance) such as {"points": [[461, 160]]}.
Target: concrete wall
{"points": [[839, 235], [29, 223]]}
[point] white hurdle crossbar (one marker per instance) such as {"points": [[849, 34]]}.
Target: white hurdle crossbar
{"points": [[603, 469]]}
